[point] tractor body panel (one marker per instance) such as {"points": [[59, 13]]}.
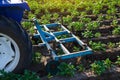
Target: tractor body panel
{"points": [[13, 9]]}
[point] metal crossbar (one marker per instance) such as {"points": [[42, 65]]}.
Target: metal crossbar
{"points": [[48, 35]]}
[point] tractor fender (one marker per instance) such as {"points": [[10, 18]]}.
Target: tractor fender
{"points": [[13, 9]]}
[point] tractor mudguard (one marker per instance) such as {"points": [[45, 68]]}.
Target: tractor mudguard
{"points": [[13, 9]]}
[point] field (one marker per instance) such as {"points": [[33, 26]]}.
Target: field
{"points": [[95, 22]]}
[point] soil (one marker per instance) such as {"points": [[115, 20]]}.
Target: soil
{"points": [[113, 73], [93, 17], [104, 39]]}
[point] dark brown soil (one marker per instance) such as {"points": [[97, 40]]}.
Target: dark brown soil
{"points": [[104, 39]]}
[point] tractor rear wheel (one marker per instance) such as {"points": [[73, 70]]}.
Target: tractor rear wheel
{"points": [[15, 46]]}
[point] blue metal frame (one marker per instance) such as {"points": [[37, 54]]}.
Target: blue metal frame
{"points": [[52, 36], [13, 10]]}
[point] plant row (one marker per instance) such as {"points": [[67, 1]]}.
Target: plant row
{"points": [[97, 67], [74, 7]]}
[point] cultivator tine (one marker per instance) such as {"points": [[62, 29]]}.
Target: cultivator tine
{"points": [[50, 36]]}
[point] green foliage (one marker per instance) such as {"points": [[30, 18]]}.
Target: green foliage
{"points": [[26, 76], [111, 45], [64, 36], [60, 51], [109, 17], [55, 15], [116, 31], [29, 27], [29, 76], [37, 57], [77, 25], [111, 11], [85, 20], [96, 24], [67, 19], [83, 13], [46, 16], [107, 63], [9, 76], [30, 15], [74, 13], [97, 8], [118, 61], [97, 46], [87, 34], [114, 22], [98, 34], [49, 76], [98, 67], [45, 21], [76, 49], [100, 17], [92, 25], [66, 69], [80, 68]]}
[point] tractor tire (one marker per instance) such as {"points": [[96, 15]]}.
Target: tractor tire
{"points": [[15, 46]]}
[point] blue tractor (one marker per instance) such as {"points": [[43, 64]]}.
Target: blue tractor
{"points": [[15, 45]]}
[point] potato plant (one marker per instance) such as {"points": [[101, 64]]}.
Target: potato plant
{"points": [[97, 46], [66, 69]]}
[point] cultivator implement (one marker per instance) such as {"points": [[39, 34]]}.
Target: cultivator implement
{"points": [[62, 40]]}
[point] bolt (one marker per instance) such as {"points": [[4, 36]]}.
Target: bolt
{"points": [[0, 52], [3, 53]]}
